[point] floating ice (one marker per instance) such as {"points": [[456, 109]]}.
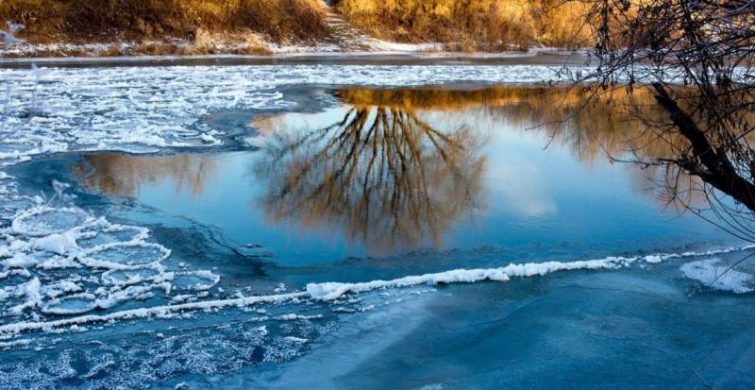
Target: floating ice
{"points": [[128, 277], [112, 234], [44, 221], [60, 243], [62, 261], [125, 256], [199, 280], [124, 109], [718, 276], [74, 304]]}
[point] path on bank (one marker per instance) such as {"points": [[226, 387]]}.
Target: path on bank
{"points": [[349, 38]]}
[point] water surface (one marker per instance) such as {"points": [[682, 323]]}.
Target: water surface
{"points": [[370, 185]]}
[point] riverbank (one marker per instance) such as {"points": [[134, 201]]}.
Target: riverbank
{"points": [[86, 28], [553, 57]]}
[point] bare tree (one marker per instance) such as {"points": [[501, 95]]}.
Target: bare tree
{"points": [[698, 56]]}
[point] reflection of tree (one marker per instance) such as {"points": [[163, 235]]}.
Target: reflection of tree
{"points": [[612, 124], [385, 174], [708, 46], [592, 125], [123, 174]]}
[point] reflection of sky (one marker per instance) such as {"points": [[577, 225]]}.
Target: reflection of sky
{"points": [[535, 196]]}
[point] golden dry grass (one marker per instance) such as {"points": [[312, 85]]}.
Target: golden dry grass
{"points": [[472, 24], [108, 20]]}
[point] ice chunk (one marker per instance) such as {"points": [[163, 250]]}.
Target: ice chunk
{"points": [[199, 280], [296, 340], [719, 276], [43, 221], [60, 243], [112, 234], [128, 277], [125, 256], [71, 305], [33, 297]]}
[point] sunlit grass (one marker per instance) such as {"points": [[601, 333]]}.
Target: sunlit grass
{"points": [[93, 20], [472, 24]]}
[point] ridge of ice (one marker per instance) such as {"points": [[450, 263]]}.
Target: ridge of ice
{"points": [[331, 291]]}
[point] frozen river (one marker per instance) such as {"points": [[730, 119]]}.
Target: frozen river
{"points": [[349, 226]]}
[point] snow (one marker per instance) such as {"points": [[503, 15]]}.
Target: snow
{"points": [[714, 274], [60, 243]]}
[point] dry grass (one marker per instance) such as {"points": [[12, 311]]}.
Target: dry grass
{"points": [[471, 24], [108, 20]]}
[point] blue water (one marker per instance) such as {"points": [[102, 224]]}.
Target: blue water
{"points": [[528, 196], [511, 196]]}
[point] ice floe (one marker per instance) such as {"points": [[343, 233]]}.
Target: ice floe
{"points": [[64, 261], [43, 221], [152, 108], [714, 274]]}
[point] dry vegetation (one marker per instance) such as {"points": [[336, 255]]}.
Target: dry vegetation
{"points": [[463, 24], [472, 24], [107, 20]]}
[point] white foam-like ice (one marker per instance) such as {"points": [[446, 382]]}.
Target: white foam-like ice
{"points": [[330, 291], [714, 274], [166, 311], [115, 265]]}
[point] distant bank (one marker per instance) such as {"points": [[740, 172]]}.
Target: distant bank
{"points": [[96, 28]]}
